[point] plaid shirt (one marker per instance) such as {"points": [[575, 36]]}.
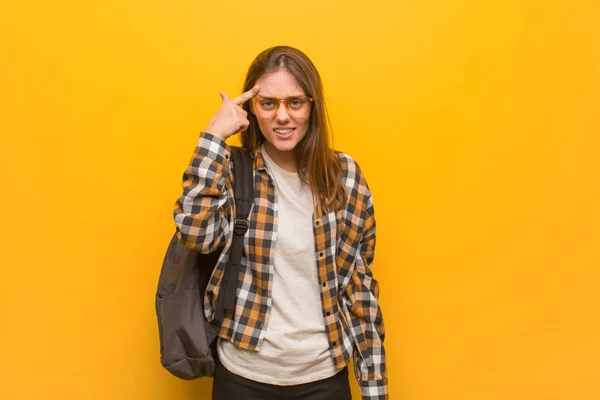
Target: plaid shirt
{"points": [[344, 251]]}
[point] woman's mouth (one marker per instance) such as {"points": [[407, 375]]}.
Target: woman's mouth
{"points": [[284, 133]]}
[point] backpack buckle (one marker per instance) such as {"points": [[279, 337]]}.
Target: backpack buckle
{"points": [[241, 226]]}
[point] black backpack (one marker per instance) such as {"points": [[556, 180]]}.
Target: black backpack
{"points": [[187, 339]]}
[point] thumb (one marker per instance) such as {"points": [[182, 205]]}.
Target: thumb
{"points": [[224, 97]]}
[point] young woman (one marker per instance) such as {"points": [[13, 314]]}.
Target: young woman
{"points": [[308, 300]]}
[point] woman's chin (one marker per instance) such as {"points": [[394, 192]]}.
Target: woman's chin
{"points": [[283, 145]]}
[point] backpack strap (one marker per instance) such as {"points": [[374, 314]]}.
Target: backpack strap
{"points": [[243, 192]]}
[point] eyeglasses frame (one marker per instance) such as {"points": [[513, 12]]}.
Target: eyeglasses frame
{"points": [[285, 101]]}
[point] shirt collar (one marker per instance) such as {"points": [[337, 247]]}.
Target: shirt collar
{"points": [[259, 160]]}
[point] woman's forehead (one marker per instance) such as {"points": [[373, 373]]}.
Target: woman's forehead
{"points": [[280, 84]]}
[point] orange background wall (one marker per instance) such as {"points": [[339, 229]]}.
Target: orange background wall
{"points": [[477, 124]]}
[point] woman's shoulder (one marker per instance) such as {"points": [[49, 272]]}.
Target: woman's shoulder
{"points": [[351, 171], [346, 159]]}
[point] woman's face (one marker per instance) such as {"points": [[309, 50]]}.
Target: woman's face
{"points": [[283, 131]]}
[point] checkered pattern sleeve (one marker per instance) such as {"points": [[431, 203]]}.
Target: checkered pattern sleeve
{"points": [[203, 212], [366, 318]]}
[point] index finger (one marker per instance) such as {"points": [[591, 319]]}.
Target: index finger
{"points": [[244, 97]]}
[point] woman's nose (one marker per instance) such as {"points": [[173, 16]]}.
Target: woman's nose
{"points": [[282, 114]]}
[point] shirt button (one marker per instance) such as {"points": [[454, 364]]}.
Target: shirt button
{"points": [[324, 284], [318, 223], [227, 156], [334, 344], [328, 313], [321, 254]]}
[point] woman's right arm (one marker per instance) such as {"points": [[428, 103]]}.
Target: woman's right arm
{"points": [[203, 212]]}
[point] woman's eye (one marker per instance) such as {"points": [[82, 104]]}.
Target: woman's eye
{"points": [[296, 103], [267, 104]]}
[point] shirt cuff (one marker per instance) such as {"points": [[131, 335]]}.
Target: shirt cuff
{"points": [[213, 147], [375, 389]]}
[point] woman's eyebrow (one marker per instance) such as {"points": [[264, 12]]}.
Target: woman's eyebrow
{"points": [[288, 97]]}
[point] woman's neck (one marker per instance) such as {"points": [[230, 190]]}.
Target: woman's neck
{"points": [[286, 160]]}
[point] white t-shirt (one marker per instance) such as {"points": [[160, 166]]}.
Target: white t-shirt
{"points": [[295, 349]]}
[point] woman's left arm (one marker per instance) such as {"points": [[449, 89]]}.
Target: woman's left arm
{"points": [[366, 319]]}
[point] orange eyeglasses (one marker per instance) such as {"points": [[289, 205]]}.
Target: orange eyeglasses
{"points": [[267, 107]]}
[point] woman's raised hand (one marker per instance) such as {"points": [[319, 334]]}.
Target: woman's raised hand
{"points": [[230, 118]]}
